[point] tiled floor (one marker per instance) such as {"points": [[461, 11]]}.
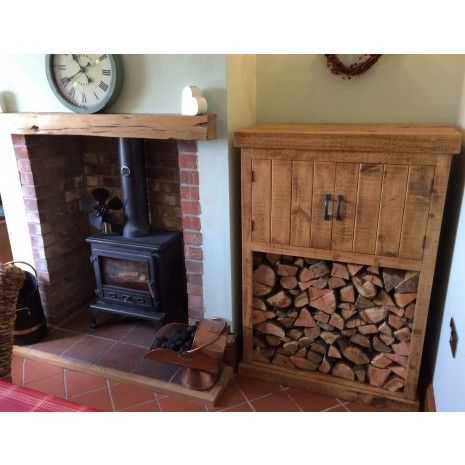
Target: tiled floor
{"points": [[241, 395]]}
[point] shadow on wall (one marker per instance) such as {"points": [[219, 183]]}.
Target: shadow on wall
{"points": [[10, 101], [443, 266]]}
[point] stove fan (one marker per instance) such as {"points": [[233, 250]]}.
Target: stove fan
{"points": [[102, 212]]}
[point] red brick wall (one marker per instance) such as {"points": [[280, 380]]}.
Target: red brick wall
{"points": [[58, 172]]}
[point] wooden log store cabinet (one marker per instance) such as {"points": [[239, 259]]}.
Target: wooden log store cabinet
{"points": [[340, 228]]}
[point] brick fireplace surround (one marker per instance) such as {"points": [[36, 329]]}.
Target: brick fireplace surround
{"points": [[58, 171]]}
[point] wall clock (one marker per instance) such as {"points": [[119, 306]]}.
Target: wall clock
{"points": [[85, 83]]}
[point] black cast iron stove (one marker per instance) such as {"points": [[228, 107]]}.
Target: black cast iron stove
{"points": [[140, 273]]}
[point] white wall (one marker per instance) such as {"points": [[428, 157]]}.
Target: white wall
{"points": [[153, 84]]}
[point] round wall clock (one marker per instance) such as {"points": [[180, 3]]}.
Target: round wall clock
{"points": [[85, 83]]}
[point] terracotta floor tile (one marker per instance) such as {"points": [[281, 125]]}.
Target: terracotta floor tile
{"points": [[231, 397], [99, 399], [88, 349], [15, 360], [35, 370], [174, 404], [17, 374], [124, 357], [54, 386], [253, 388], [57, 341], [143, 334], [79, 383], [238, 408], [155, 369], [277, 402], [337, 409], [364, 408], [111, 328], [79, 322], [151, 406], [310, 402], [127, 395]]}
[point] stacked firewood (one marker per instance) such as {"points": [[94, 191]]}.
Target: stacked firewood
{"points": [[347, 320]]}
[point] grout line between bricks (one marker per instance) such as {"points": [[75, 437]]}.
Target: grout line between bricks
{"points": [[243, 393], [293, 400]]}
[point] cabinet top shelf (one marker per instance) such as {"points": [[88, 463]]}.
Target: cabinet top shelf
{"points": [[431, 139]]}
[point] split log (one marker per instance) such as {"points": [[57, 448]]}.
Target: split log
{"points": [[259, 316], [360, 373], [305, 319], [268, 352], [312, 333], [381, 361], [354, 322], [287, 270], [287, 321], [303, 363], [258, 342], [342, 370], [400, 371], [328, 337], [264, 279], [400, 359], [274, 341], [339, 270], [306, 342], [314, 357], [347, 294], [325, 366], [299, 262], [319, 269], [319, 283], [360, 340], [388, 340], [373, 269], [293, 291], [288, 282], [334, 283], [258, 304], [291, 347], [302, 352], [373, 315], [270, 328], [377, 376], [315, 293], [349, 332], [273, 258], [383, 298], [373, 279], [294, 334], [403, 300], [305, 275], [282, 360], [380, 346], [403, 334], [395, 321], [325, 326], [333, 352], [311, 261], [301, 299], [259, 357], [354, 269], [396, 310], [337, 321], [392, 278], [347, 312], [402, 348], [410, 311], [410, 284], [363, 302], [384, 328], [367, 329], [326, 303], [319, 346], [280, 299], [364, 288], [394, 385], [355, 355]]}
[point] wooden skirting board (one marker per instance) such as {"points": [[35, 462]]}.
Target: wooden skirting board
{"points": [[334, 387], [206, 397]]}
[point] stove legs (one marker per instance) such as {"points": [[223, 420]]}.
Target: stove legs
{"points": [[93, 318]]}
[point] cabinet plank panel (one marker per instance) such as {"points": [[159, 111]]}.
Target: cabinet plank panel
{"points": [[419, 189], [261, 200], [366, 216], [323, 183], [281, 174], [346, 185], [301, 204], [391, 209]]}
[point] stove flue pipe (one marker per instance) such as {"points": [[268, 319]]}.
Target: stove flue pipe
{"points": [[134, 187]]}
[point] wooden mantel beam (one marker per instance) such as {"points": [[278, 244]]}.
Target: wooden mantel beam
{"points": [[147, 126]]}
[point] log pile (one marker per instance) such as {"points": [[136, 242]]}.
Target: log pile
{"points": [[347, 320]]}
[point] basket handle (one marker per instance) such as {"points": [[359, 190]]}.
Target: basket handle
{"points": [[14, 262], [192, 351]]}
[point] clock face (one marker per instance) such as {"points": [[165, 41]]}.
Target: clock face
{"points": [[83, 82]]}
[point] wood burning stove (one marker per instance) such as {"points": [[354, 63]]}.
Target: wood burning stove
{"points": [[140, 273]]}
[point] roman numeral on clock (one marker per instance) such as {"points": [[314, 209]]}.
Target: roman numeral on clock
{"points": [[83, 99], [60, 67], [72, 92], [96, 96], [65, 81], [103, 86], [106, 72], [103, 57]]}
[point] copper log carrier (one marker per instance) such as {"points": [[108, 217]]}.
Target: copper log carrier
{"points": [[140, 273]]}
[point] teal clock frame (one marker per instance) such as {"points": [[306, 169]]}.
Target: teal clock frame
{"points": [[113, 93]]}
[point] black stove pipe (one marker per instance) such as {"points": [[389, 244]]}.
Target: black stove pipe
{"points": [[134, 187]]}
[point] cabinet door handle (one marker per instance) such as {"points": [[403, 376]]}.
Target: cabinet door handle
{"points": [[340, 199], [327, 199]]}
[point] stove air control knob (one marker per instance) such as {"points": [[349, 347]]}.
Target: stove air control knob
{"points": [[125, 171]]}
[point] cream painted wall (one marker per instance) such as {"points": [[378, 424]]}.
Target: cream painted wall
{"points": [[399, 88], [153, 84]]}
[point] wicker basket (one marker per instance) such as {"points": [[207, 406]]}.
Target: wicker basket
{"points": [[11, 280]]}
